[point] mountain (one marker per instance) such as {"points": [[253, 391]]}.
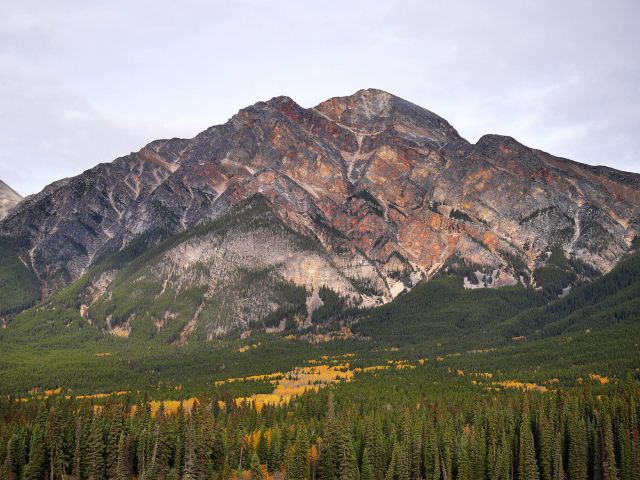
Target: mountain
{"points": [[9, 198], [284, 212]]}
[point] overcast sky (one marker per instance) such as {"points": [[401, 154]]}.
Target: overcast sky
{"points": [[83, 82]]}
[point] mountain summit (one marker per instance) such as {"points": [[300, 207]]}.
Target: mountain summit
{"points": [[364, 195]]}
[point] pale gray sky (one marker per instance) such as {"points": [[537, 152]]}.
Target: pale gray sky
{"points": [[82, 82]]}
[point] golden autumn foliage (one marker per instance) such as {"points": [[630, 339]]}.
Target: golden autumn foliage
{"points": [[100, 395], [599, 378], [485, 375], [297, 382], [171, 406], [521, 385], [313, 455]]}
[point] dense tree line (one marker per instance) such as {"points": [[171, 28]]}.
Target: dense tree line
{"points": [[572, 435]]}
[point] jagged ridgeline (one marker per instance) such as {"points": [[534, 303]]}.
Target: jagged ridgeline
{"points": [[288, 218]]}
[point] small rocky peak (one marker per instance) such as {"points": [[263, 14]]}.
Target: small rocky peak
{"points": [[9, 198], [372, 111]]}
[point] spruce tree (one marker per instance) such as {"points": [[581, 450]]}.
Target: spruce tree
{"points": [[37, 465], [301, 449], [94, 463], [8, 468], [328, 464], [347, 465], [431, 454], [577, 463], [122, 470], [366, 470], [503, 469], [527, 466], [545, 440], [189, 469], [256, 471], [55, 446], [392, 468], [558, 466], [113, 437], [76, 461], [609, 467]]}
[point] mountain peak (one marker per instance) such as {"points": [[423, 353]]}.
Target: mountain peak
{"points": [[386, 191], [9, 198], [371, 111]]}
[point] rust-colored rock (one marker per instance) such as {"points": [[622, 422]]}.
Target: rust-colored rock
{"points": [[370, 174]]}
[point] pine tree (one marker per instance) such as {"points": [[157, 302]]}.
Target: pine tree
{"points": [[189, 470], [463, 460], [347, 465], [431, 454], [142, 452], [594, 455], [37, 465], [374, 443], [416, 453], [403, 470], [218, 446], [55, 446], [527, 466], [76, 462], [545, 440], [328, 465], [275, 454], [366, 470], [577, 464], [256, 471], [446, 452], [263, 447], [609, 467], [113, 437], [176, 470], [558, 467], [8, 469], [161, 448], [301, 453], [392, 468], [122, 470], [504, 461], [202, 448], [94, 463]]}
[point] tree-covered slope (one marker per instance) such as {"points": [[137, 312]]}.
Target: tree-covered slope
{"points": [[610, 300], [442, 312]]}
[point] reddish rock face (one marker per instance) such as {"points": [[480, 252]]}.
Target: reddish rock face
{"points": [[369, 173]]}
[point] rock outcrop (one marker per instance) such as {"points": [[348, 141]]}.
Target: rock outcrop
{"points": [[9, 198]]}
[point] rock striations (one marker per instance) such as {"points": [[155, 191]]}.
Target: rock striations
{"points": [[370, 194]]}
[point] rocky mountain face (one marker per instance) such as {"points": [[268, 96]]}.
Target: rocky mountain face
{"points": [[9, 198], [366, 195]]}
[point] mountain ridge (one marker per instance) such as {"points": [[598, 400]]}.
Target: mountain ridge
{"points": [[391, 192]]}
